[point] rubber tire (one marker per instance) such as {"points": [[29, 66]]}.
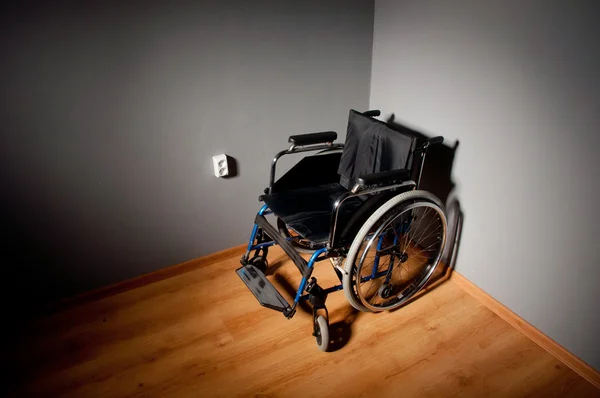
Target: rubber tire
{"points": [[324, 333], [357, 242]]}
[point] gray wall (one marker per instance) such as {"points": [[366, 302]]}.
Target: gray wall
{"points": [[110, 116], [518, 83]]}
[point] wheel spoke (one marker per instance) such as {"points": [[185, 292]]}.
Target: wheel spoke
{"points": [[423, 250], [422, 233], [413, 230], [409, 243], [423, 237]]}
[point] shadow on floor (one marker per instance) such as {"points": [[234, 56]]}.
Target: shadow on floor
{"points": [[340, 331]]}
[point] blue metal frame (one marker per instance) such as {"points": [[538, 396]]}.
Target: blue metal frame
{"points": [[261, 212], [311, 262], [376, 261], [340, 286], [310, 265], [388, 275]]}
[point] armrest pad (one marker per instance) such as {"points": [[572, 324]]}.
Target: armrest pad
{"points": [[384, 176], [313, 138]]}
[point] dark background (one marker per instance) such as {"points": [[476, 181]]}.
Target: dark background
{"points": [[111, 113]]}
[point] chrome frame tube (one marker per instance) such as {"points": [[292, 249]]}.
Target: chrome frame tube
{"points": [[422, 151]]}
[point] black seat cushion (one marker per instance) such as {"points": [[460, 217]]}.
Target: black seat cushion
{"points": [[308, 211]]}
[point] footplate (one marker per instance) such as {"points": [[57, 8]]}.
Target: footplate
{"points": [[263, 290]]}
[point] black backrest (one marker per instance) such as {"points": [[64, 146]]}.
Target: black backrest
{"points": [[373, 146]]}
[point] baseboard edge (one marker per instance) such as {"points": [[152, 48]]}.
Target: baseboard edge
{"points": [[143, 280], [534, 334]]}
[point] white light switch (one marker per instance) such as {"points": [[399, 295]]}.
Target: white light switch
{"points": [[221, 165]]}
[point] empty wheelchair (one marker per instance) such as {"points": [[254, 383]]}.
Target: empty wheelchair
{"points": [[358, 205]]}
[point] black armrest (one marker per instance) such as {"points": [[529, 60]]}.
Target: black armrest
{"points": [[313, 138], [383, 177]]}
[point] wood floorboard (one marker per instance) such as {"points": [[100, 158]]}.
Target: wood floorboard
{"points": [[202, 334]]}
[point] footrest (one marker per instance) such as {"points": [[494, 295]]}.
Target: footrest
{"points": [[263, 290]]}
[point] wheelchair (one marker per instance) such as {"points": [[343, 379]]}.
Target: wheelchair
{"points": [[358, 205]]}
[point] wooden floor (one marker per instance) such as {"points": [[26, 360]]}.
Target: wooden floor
{"points": [[202, 334]]}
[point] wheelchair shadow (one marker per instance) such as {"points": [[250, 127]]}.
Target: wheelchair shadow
{"points": [[273, 267], [437, 171], [340, 332], [437, 179]]}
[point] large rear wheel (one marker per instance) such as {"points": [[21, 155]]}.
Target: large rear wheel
{"points": [[395, 252]]}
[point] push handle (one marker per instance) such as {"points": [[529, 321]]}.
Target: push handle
{"points": [[372, 113], [436, 140]]}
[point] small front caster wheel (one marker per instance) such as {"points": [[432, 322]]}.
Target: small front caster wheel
{"points": [[322, 333]]}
